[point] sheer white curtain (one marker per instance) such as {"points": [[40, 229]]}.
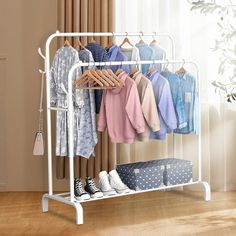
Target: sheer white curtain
{"points": [[194, 35]]}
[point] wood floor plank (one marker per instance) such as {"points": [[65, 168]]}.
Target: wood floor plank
{"points": [[150, 214]]}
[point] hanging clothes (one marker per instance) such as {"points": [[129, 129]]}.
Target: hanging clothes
{"points": [[115, 54], [159, 54], [99, 54], [174, 82], [86, 126], [121, 112], [145, 53], [188, 88], [148, 104], [86, 56], [165, 106], [132, 55], [64, 59]]}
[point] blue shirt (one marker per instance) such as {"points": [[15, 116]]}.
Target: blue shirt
{"points": [[165, 105], [188, 88], [99, 54], [115, 54], [177, 97], [146, 53]]}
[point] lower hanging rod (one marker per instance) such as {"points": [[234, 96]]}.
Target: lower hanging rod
{"points": [[115, 63]]}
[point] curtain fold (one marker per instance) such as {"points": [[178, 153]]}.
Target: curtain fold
{"points": [[88, 16]]}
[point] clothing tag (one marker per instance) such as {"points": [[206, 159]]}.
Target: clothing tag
{"points": [[188, 97]]}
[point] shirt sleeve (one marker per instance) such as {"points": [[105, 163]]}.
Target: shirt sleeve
{"points": [[134, 110], [180, 109], [150, 109], [102, 120], [166, 107]]}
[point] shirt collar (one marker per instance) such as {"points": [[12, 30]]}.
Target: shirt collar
{"points": [[154, 76], [182, 76], [112, 52]]}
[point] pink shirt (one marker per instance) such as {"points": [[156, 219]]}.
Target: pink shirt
{"points": [[121, 112]]}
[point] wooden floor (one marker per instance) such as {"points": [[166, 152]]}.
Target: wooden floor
{"points": [[149, 214]]}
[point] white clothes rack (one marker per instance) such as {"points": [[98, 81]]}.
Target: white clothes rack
{"points": [[69, 198]]}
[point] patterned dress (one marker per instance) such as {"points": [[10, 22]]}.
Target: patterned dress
{"points": [[64, 59], [86, 127]]}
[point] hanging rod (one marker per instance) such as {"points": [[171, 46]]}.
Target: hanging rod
{"points": [[112, 63], [108, 34], [104, 34]]}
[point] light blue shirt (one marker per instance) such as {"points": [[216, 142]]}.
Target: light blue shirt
{"points": [[188, 88], [159, 54], [177, 97], [165, 106], [146, 53]]}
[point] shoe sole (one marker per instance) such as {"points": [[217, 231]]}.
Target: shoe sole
{"points": [[82, 198], [124, 191], [96, 195], [109, 193]]}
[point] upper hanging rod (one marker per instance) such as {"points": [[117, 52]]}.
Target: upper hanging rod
{"points": [[121, 34], [112, 34]]}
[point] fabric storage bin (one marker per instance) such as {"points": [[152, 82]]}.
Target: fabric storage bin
{"points": [[142, 175], [177, 171]]}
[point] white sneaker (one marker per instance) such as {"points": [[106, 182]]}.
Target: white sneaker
{"points": [[117, 183], [104, 184]]}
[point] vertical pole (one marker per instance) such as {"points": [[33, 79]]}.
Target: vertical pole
{"points": [[49, 135], [199, 125], [173, 69], [71, 133]]}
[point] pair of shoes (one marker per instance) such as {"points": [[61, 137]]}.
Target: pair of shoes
{"points": [[88, 191], [111, 184]]}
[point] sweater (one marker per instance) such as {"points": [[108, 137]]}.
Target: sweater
{"points": [[121, 112], [148, 104]]}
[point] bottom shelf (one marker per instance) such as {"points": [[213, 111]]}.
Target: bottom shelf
{"points": [[64, 197]]}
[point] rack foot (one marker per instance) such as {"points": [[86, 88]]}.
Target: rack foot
{"points": [[79, 213], [207, 189], [45, 202]]}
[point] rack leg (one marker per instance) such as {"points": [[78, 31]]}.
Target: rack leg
{"points": [[207, 189], [45, 203], [79, 214]]}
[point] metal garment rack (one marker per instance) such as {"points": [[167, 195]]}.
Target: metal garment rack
{"points": [[69, 198]]}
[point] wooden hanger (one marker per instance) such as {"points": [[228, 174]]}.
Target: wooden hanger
{"points": [[79, 44], [154, 39], [92, 39], [151, 69], [118, 81], [134, 70], [112, 41], [119, 71], [141, 40], [181, 70], [88, 77], [109, 81], [100, 78], [66, 43], [165, 69], [126, 40]]}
